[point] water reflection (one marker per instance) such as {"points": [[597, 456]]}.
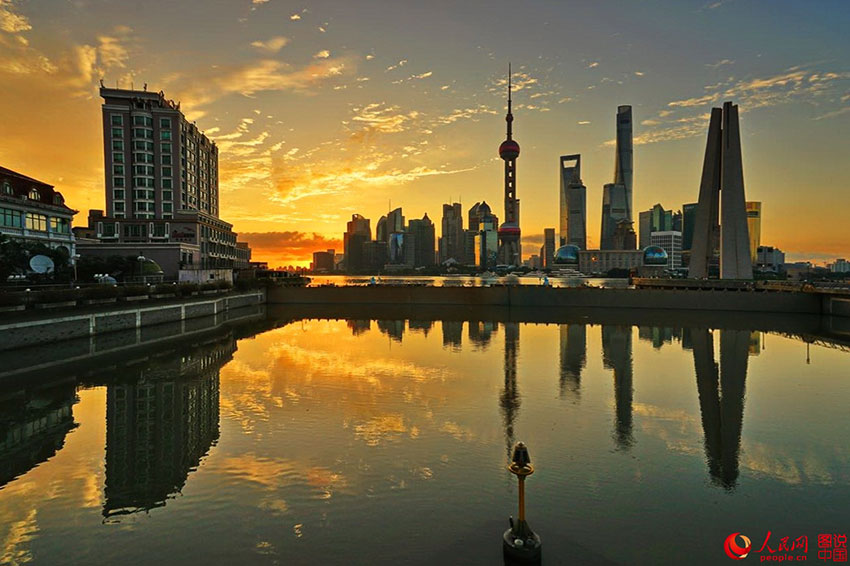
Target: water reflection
{"points": [[161, 419], [509, 398], [33, 426], [617, 356], [721, 399], [573, 358]]}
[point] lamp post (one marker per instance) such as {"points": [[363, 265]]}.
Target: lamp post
{"points": [[520, 543]]}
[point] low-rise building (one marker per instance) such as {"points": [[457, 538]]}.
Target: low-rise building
{"points": [[671, 242], [769, 259], [32, 211]]}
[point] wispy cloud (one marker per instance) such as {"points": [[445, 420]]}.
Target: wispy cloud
{"points": [[720, 63], [271, 45], [10, 20], [323, 54]]}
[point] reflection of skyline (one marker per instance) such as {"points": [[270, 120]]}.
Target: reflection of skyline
{"points": [[33, 426], [617, 356], [452, 334], [392, 328], [159, 424], [509, 399], [423, 326], [573, 357], [358, 327], [481, 332], [721, 399]]}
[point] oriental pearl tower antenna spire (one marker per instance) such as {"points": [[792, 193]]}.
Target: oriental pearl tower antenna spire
{"points": [[509, 233]]}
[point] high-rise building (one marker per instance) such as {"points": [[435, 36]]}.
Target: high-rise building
{"points": [[162, 196], [419, 242], [510, 251], [754, 226], [358, 232], [656, 219], [323, 262], [722, 223], [451, 241], [689, 214], [548, 250], [671, 242], [624, 161], [614, 209], [573, 213]]}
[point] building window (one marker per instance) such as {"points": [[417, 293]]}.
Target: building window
{"points": [[142, 133], [118, 206], [143, 157], [108, 229], [60, 225], [165, 123], [118, 194], [167, 195], [143, 170], [166, 184], [143, 121], [165, 147], [58, 199], [166, 160], [7, 188], [143, 145], [165, 135], [119, 215], [118, 182], [11, 218], [117, 120], [118, 145], [135, 230], [166, 171], [117, 169], [159, 230], [118, 157], [117, 132], [34, 195], [37, 222], [167, 207]]}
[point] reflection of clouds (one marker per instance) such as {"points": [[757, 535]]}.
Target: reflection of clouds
{"points": [[457, 431], [681, 433], [380, 429], [271, 474], [15, 545]]}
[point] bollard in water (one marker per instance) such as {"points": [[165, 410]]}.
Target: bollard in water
{"points": [[520, 543]]}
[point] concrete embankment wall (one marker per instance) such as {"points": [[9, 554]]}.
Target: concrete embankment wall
{"points": [[538, 296], [174, 317]]}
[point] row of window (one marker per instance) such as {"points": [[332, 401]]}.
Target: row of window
{"points": [[139, 145], [164, 123], [31, 221], [142, 194]]}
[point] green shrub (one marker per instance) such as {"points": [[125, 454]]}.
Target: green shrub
{"points": [[12, 299], [99, 292], [165, 289], [135, 290], [55, 296], [186, 289], [209, 286]]}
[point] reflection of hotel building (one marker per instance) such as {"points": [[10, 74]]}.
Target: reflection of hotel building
{"points": [[159, 424], [33, 430], [33, 212], [161, 188]]}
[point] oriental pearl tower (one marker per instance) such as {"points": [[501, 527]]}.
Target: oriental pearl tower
{"points": [[509, 246]]}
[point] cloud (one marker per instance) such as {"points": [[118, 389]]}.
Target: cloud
{"points": [[422, 76], [381, 118], [583, 122], [295, 17], [639, 73], [593, 64], [401, 63], [323, 54], [720, 63], [10, 22], [205, 86], [271, 45], [287, 248]]}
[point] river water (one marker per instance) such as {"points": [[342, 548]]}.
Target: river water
{"points": [[310, 439]]}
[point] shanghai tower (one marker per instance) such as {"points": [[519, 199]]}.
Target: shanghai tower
{"points": [[617, 196], [509, 233]]}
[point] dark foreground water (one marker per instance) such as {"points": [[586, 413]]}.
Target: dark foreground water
{"points": [[385, 442]]}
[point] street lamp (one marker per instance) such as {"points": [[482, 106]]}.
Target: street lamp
{"points": [[520, 543]]}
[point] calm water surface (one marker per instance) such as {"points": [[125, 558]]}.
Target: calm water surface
{"points": [[385, 442]]}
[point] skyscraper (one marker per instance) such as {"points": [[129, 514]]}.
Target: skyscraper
{"points": [[419, 242], [548, 249], [722, 223], [617, 196], [451, 241], [624, 163], [656, 219], [754, 226], [358, 232], [510, 252], [573, 213], [689, 214]]}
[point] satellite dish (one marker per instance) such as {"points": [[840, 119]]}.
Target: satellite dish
{"points": [[41, 264]]}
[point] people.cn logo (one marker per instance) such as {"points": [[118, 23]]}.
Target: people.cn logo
{"points": [[734, 551]]}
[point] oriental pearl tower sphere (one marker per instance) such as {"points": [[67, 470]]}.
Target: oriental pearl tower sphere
{"points": [[509, 233]]}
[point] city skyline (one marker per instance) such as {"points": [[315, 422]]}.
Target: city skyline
{"points": [[309, 108]]}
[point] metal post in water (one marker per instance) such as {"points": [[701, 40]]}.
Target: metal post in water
{"points": [[520, 543]]}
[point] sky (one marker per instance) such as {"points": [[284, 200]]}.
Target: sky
{"points": [[323, 109]]}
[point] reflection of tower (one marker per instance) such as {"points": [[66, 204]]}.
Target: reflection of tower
{"points": [[509, 233], [722, 408], [509, 399], [159, 425], [33, 426], [573, 357], [481, 332], [617, 355], [358, 327], [392, 328], [420, 325], [452, 334]]}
